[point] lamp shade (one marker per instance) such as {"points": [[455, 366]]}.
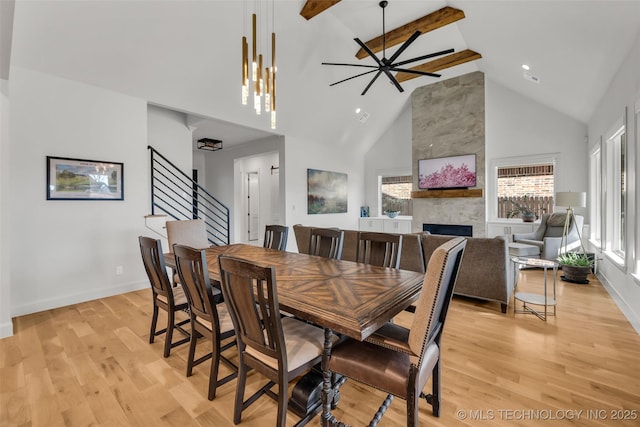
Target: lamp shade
{"points": [[571, 199]]}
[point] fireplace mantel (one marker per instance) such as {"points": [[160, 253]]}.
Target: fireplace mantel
{"points": [[441, 194]]}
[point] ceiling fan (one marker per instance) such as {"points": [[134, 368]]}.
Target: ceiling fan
{"points": [[385, 65]]}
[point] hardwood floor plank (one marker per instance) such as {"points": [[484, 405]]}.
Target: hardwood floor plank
{"points": [[91, 363]]}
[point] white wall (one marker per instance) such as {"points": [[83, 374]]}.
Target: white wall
{"points": [[6, 326], [65, 252], [303, 155], [390, 155], [517, 126], [624, 91]]}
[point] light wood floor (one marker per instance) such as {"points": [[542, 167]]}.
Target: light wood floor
{"points": [[91, 364]]}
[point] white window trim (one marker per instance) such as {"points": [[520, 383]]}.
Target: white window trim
{"points": [[618, 127], [597, 243], [492, 176]]}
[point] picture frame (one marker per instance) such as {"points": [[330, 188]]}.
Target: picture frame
{"points": [[80, 179], [326, 192]]}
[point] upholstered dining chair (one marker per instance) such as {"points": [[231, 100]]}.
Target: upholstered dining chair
{"points": [[187, 232], [399, 360], [275, 237], [381, 249], [209, 318], [165, 296], [326, 242], [280, 348]]}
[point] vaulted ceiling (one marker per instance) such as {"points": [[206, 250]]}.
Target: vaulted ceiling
{"points": [[185, 55]]}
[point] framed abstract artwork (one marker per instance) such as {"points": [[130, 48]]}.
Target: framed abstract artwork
{"points": [[326, 192]]}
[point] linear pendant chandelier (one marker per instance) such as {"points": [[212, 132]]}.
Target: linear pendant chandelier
{"points": [[263, 85]]}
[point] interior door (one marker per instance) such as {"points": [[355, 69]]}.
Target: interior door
{"points": [[253, 205]]}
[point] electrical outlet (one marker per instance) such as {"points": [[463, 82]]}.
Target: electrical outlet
{"points": [[119, 270]]}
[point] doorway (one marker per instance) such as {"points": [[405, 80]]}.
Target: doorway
{"points": [[253, 206]]}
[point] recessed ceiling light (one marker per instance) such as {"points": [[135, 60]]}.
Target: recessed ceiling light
{"points": [[357, 110], [525, 67]]}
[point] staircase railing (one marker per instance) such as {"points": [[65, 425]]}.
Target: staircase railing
{"points": [[174, 193]]}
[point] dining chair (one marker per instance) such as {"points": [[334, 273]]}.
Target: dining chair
{"points": [[399, 360], [380, 249], [280, 348], [188, 232], [275, 237], [165, 296], [326, 242], [209, 317]]}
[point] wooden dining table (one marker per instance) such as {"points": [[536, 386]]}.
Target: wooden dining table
{"points": [[344, 297]]}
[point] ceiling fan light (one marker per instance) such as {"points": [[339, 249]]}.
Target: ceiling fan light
{"points": [[525, 67]]}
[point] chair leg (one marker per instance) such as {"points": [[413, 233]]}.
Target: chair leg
{"points": [[242, 381], [435, 389], [169, 336], [192, 349], [154, 321], [282, 400], [412, 409], [215, 363]]}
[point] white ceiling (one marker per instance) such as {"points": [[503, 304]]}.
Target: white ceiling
{"points": [[185, 55]]}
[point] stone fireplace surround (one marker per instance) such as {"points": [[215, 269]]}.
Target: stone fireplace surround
{"points": [[448, 119]]}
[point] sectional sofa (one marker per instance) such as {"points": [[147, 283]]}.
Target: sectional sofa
{"points": [[485, 272]]}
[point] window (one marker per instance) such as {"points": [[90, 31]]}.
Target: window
{"points": [[595, 196], [529, 185], [395, 194], [534, 176], [615, 207]]}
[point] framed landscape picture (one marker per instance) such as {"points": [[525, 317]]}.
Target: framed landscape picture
{"points": [[326, 192], [77, 179]]}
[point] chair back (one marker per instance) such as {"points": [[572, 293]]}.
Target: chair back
{"points": [[275, 237], [380, 249], [326, 242], [194, 276], [433, 303], [153, 260], [250, 293], [192, 233], [412, 257]]}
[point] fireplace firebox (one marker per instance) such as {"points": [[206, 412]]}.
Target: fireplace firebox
{"points": [[449, 229]]}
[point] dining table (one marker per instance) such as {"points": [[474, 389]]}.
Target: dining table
{"points": [[343, 297]]}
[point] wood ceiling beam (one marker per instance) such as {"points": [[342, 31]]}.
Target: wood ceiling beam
{"points": [[430, 22], [440, 64], [312, 8]]}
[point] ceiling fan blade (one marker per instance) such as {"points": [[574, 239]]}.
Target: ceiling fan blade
{"points": [[371, 82], [405, 45], [350, 65], [420, 58], [353, 77], [373, 55], [393, 80], [410, 71]]}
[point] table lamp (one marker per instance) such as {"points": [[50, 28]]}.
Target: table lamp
{"points": [[570, 200]]}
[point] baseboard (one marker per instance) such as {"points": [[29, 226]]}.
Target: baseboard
{"points": [[65, 300], [629, 313], [6, 329]]}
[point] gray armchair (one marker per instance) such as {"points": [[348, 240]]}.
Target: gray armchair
{"points": [[548, 236]]}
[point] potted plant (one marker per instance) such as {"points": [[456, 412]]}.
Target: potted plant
{"points": [[523, 210], [575, 267]]}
